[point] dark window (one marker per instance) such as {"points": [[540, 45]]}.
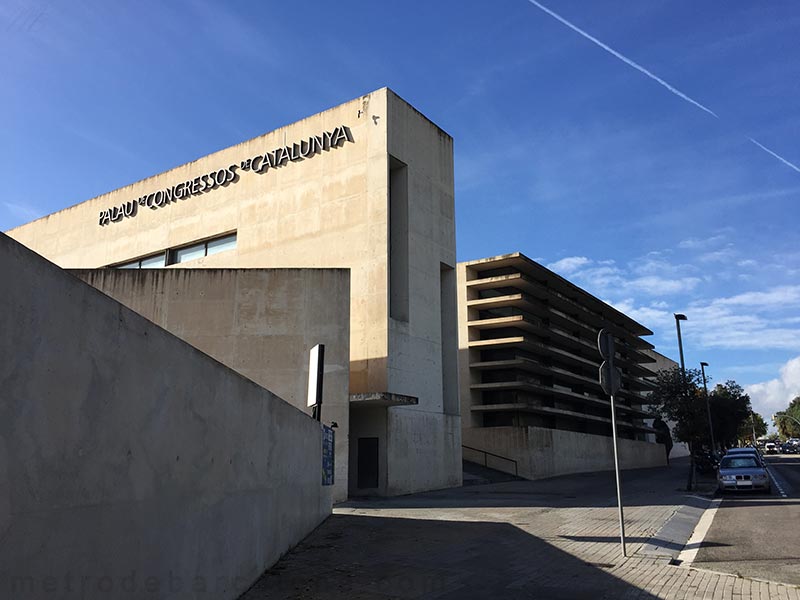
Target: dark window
{"points": [[398, 239]]}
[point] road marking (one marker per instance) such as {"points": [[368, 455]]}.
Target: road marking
{"points": [[689, 552], [775, 481]]}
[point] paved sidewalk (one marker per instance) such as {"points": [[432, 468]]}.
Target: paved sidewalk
{"points": [[556, 538]]}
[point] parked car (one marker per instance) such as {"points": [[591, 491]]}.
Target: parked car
{"points": [[770, 448], [746, 452], [739, 472]]}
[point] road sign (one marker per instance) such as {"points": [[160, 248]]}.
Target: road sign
{"points": [[610, 378], [605, 344]]}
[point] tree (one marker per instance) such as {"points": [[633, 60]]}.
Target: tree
{"points": [[681, 404], [730, 409], [787, 426], [754, 422], [686, 407]]}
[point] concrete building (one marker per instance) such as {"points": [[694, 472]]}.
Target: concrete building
{"points": [[365, 186], [531, 402]]}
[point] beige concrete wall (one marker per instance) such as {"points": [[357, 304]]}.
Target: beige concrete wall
{"points": [[466, 376], [129, 460], [543, 452], [259, 322], [424, 450], [327, 210], [424, 446]]}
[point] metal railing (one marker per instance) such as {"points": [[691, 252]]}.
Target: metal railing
{"points": [[486, 456]]}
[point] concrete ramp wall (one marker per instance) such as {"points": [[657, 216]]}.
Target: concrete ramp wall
{"points": [[541, 452], [259, 322], [131, 464]]}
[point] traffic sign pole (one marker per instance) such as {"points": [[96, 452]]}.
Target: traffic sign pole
{"points": [[616, 473], [610, 382]]}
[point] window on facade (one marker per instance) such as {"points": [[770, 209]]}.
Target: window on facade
{"points": [[183, 254], [155, 261], [201, 249]]}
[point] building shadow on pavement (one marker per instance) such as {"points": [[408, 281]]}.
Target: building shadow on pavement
{"points": [[365, 557]]}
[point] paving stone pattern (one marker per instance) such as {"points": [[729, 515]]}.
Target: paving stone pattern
{"points": [[556, 539]]}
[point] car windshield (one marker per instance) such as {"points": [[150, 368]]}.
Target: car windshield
{"points": [[738, 462]]}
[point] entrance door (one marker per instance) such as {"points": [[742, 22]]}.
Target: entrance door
{"points": [[368, 462]]}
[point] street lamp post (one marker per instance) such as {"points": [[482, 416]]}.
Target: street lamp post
{"points": [[678, 318], [703, 366]]}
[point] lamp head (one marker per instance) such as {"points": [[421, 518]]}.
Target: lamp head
{"points": [[680, 317], [703, 364]]}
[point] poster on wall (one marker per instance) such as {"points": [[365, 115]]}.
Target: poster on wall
{"points": [[328, 437]]}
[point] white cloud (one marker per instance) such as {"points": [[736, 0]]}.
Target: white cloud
{"points": [[696, 243], [660, 286], [569, 265], [653, 316], [778, 297], [723, 255], [774, 395], [653, 264], [605, 278], [650, 289]]}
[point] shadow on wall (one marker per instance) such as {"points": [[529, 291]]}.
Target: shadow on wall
{"points": [[367, 557], [368, 375]]}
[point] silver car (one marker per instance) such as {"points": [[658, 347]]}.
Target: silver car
{"points": [[742, 472], [746, 452]]}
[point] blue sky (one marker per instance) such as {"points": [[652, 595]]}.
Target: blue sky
{"points": [[603, 163]]}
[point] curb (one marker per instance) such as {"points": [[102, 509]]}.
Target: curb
{"points": [[689, 552]]}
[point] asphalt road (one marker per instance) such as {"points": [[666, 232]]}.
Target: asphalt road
{"points": [[758, 535]]}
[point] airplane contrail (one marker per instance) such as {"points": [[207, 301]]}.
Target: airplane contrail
{"points": [[780, 158], [652, 76], [624, 59]]}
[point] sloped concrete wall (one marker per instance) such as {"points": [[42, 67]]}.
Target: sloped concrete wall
{"points": [[259, 322], [541, 452], [131, 464]]}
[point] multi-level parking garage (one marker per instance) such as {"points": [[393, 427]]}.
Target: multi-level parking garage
{"points": [[529, 358]]}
